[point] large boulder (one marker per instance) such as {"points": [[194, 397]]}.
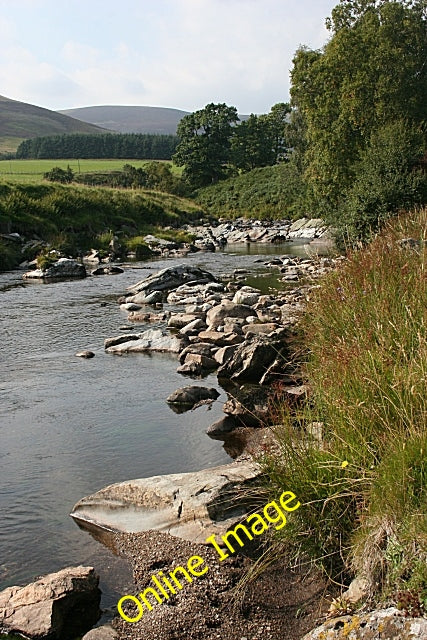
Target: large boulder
{"points": [[252, 359], [191, 506], [171, 278], [59, 606], [387, 624], [191, 396], [62, 269], [150, 340]]}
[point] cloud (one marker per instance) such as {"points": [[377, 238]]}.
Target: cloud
{"points": [[176, 53]]}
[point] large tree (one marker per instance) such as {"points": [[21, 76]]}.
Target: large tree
{"points": [[204, 147], [372, 72]]}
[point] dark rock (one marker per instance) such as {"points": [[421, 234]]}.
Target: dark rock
{"points": [[224, 425], [251, 360], [201, 348], [248, 405], [85, 354], [192, 395]]}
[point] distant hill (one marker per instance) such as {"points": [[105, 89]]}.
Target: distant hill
{"points": [[19, 120], [136, 119]]}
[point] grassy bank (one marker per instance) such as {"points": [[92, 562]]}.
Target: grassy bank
{"points": [[364, 486], [269, 192], [74, 219]]}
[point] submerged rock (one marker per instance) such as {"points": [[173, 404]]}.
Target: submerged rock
{"points": [[191, 506], [59, 606], [85, 354]]}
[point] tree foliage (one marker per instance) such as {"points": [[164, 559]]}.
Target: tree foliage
{"points": [[204, 143], [109, 145], [372, 72]]}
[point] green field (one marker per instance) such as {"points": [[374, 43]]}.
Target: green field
{"points": [[31, 171]]}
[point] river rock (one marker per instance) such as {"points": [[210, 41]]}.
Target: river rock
{"points": [[64, 268], [151, 340], [85, 354], [193, 328], [308, 228], [220, 339], [106, 632], [59, 606], [247, 296], [171, 278], [215, 317], [387, 624], [248, 405], [180, 320], [257, 328], [192, 395], [196, 364], [251, 359], [201, 348], [221, 427], [191, 506], [143, 298]]}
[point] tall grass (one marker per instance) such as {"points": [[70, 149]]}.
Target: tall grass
{"points": [[364, 486]]}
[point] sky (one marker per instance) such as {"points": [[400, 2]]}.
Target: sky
{"points": [[184, 54]]}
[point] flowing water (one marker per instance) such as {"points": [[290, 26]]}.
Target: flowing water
{"points": [[70, 426]]}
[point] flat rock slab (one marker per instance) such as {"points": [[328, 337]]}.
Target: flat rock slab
{"points": [[59, 606], [387, 624], [64, 268], [150, 340], [191, 506]]}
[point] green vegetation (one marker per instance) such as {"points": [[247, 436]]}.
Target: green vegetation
{"points": [[269, 192], [363, 487], [370, 76], [32, 171], [74, 219], [105, 145]]}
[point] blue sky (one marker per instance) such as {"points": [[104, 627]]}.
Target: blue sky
{"points": [[170, 53]]}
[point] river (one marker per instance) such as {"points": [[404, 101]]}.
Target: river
{"points": [[70, 426]]}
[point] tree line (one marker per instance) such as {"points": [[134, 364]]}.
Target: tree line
{"points": [[108, 145]]}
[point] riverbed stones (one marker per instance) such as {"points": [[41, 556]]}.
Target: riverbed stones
{"points": [[387, 624], [192, 395], [191, 506], [180, 320], [247, 296], [62, 269], [200, 348], [58, 606], [196, 364]]}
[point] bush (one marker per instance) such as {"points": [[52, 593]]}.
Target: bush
{"points": [[364, 489], [60, 175], [386, 181]]}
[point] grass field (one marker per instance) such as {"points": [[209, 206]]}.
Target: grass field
{"points": [[31, 171]]}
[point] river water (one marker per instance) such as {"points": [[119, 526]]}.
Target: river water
{"points": [[70, 426]]}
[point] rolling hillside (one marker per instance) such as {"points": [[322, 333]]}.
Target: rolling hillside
{"points": [[19, 120], [130, 119]]}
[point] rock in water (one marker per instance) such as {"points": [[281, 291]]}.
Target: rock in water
{"points": [[171, 278], [63, 268], [192, 395], [85, 354], [59, 606], [190, 506]]}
